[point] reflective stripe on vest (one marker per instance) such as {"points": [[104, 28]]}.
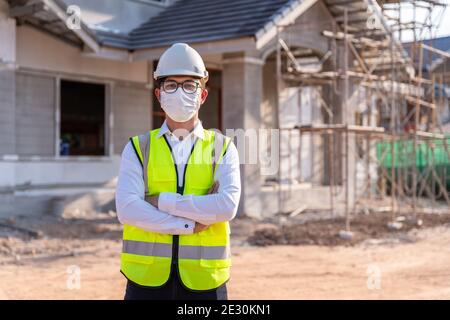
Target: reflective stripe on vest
{"points": [[204, 258], [156, 249]]}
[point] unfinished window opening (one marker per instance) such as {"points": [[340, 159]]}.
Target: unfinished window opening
{"points": [[82, 119]]}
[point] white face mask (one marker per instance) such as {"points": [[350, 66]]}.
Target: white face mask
{"points": [[180, 106]]}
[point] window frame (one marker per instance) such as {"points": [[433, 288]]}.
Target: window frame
{"points": [[108, 116]]}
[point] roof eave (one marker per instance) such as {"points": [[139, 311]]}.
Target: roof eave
{"points": [[111, 53], [93, 47], [439, 62], [246, 43], [83, 32], [288, 15]]}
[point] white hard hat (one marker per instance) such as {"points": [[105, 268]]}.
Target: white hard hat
{"points": [[180, 60]]}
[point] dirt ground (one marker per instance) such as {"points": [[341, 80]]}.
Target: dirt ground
{"points": [[376, 264]]}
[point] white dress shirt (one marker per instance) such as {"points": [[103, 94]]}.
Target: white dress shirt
{"points": [[177, 214]]}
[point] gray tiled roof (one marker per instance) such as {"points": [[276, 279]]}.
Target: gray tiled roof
{"points": [[199, 21]]}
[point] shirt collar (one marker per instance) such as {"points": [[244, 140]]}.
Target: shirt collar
{"points": [[198, 130]]}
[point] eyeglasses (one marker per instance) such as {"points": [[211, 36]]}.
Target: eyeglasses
{"points": [[189, 86]]}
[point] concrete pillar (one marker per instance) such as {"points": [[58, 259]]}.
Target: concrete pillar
{"points": [[334, 99], [241, 107], [7, 80], [317, 141], [343, 112]]}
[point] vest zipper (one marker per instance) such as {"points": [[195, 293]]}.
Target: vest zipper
{"points": [[176, 237], [174, 266]]}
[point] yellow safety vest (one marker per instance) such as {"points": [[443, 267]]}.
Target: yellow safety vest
{"points": [[203, 259]]}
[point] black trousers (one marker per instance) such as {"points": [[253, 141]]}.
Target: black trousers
{"points": [[173, 289]]}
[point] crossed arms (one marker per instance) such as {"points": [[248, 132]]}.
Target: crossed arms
{"points": [[173, 213]]}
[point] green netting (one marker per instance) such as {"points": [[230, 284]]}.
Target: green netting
{"points": [[433, 153]]}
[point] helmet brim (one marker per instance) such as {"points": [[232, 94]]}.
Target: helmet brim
{"points": [[179, 72]]}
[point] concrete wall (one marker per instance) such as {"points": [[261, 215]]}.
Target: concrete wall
{"points": [[28, 101], [242, 97], [7, 111], [7, 36], [7, 80], [31, 156], [209, 111], [32, 163], [299, 105], [250, 102], [46, 186], [364, 103], [45, 173], [130, 100], [305, 32], [35, 115], [132, 113], [39, 51], [269, 103]]}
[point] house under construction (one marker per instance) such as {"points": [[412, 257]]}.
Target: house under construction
{"points": [[360, 119], [381, 139]]}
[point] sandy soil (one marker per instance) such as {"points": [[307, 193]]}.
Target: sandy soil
{"points": [[381, 269]]}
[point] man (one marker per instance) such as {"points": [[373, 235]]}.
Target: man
{"points": [[178, 187]]}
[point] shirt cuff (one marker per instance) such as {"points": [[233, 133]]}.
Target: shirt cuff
{"points": [[187, 227], [167, 202]]}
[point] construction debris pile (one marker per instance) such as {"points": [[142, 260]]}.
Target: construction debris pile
{"points": [[52, 237], [367, 227]]}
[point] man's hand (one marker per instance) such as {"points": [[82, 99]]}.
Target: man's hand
{"points": [[214, 188], [199, 227], [153, 200]]}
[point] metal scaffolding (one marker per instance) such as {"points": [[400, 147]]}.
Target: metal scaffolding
{"points": [[366, 52]]}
